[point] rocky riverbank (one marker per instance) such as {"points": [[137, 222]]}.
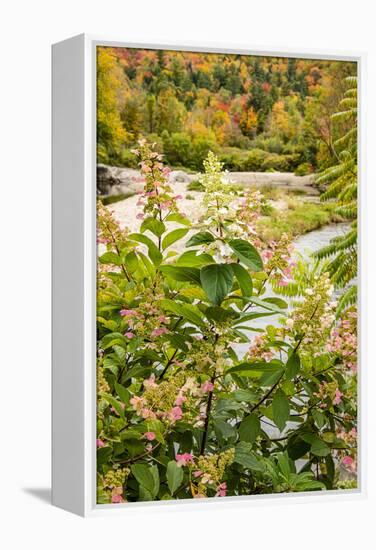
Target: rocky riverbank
{"points": [[113, 181]]}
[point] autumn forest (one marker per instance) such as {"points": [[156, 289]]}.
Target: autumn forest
{"points": [[256, 113]]}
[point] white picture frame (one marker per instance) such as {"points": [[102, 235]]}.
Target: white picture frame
{"points": [[74, 277]]}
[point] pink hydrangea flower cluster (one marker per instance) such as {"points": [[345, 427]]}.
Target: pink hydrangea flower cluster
{"points": [[349, 463], [337, 397], [204, 478], [159, 331], [160, 401], [344, 342], [328, 394], [313, 316], [349, 437], [117, 498], [248, 211], [222, 489], [147, 320], [156, 196], [278, 260], [207, 387], [260, 349], [184, 459]]}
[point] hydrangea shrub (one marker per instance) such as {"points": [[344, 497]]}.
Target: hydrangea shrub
{"points": [[182, 410]]}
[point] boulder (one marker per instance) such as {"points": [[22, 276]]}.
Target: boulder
{"points": [[180, 176], [114, 181]]}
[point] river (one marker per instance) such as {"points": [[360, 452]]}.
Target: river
{"points": [[312, 241]]}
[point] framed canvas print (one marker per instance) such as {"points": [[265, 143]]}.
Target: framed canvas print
{"points": [[206, 275]]}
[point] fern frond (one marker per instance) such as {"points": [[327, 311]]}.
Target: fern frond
{"points": [[304, 274], [352, 92], [289, 291], [347, 211], [326, 251], [351, 135], [343, 116], [335, 172], [348, 103], [351, 81], [348, 298], [347, 241], [343, 268], [349, 193], [333, 190]]}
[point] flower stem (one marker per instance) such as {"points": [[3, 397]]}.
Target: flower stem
{"points": [[206, 426]]}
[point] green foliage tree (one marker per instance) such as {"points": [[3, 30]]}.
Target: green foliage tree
{"points": [[177, 148], [132, 116], [169, 112], [150, 116]]}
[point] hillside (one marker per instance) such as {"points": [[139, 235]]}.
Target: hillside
{"points": [[256, 113]]}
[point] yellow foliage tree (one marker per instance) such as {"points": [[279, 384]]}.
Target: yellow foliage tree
{"points": [[279, 122], [248, 122], [110, 131], [221, 125]]}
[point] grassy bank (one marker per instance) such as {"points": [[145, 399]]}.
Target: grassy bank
{"points": [[111, 199], [298, 218], [288, 211]]}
